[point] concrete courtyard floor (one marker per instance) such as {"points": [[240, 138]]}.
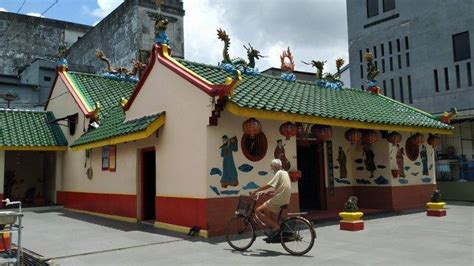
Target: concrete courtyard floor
{"points": [[68, 238]]}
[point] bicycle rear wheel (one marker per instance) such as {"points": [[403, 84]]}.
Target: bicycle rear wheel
{"points": [[240, 233], [297, 235]]}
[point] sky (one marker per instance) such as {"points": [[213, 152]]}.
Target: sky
{"points": [[313, 29]]}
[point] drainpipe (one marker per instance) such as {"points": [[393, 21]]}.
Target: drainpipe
{"points": [[2, 172]]}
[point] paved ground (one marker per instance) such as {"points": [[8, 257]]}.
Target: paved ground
{"points": [[68, 238]]}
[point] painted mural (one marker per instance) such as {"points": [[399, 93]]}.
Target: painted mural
{"points": [[369, 162], [229, 173], [342, 160], [231, 165], [414, 169], [279, 153]]}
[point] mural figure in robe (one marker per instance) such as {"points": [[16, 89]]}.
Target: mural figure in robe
{"points": [[341, 158], [279, 153], [424, 159], [369, 159], [399, 158], [229, 172]]}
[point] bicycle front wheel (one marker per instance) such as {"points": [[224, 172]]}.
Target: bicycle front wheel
{"points": [[297, 235], [240, 233]]}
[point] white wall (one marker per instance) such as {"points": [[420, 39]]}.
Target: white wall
{"points": [[182, 143]]}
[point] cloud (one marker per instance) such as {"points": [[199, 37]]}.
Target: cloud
{"points": [[3, 9], [34, 14], [314, 30], [105, 7]]}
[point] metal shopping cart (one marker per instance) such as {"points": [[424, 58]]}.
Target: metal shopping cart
{"points": [[10, 222]]}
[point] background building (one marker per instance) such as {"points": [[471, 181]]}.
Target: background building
{"points": [[423, 50], [29, 46]]}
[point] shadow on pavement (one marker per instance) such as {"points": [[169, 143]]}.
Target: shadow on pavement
{"points": [[262, 253]]}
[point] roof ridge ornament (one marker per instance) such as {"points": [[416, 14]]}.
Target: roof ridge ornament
{"points": [[231, 65], [61, 63], [327, 80], [287, 66], [372, 72], [120, 73]]}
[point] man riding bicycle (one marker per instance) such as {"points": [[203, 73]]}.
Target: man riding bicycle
{"points": [[269, 210]]}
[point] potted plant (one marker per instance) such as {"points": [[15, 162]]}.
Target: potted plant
{"points": [[436, 205], [351, 216]]}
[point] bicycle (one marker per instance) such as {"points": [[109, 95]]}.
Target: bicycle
{"points": [[240, 231]]}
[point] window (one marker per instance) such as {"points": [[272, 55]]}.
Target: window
{"points": [[384, 85], [458, 77], [367, 50], [46, 78], [391, 64], [361, 71], [375, 51], [446, 78], [382, 50], [461, 46], [390, 47], [392, 85], [362, 87], [406, 43], [399, 61], [469, 74], [372, 8], [360, 56], [254, 148], [410, 95], [109, 158], [400, 81], [436, 83], [398, 45], [407, 55], [376, 65], [383, 65], [388, 5]]}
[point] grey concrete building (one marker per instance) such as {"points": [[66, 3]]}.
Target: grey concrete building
{"points": [[26, 38], [128, 33], [424, 51]]}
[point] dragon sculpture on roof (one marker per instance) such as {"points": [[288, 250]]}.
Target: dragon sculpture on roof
{"points": [[238, 63], [120, 73]]}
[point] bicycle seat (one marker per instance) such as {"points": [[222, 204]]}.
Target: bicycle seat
{"points": [[284, 207]]}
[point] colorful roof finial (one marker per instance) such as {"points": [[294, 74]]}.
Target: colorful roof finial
{"points": [[287, 65], [161, 24], [447, 116], [372, 72], [230, 65], [61, 63]]}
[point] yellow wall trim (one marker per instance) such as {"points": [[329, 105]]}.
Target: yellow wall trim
{"points": [[281, 116], [125, 138], [178, 228], [32, 148], [114, 217]]}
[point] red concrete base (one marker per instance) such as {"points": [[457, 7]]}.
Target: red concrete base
{"points": [[352, 225], [436, 213]]}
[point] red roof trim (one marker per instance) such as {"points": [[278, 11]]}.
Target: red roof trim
{"points": [[158, 53], [74, 95]]}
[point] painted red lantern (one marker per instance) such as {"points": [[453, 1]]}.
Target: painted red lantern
{"points": [[394, 138], [434, 140], [322, 132], [299, 129], [417, 139], [369, 136], [353, 135], [288, 130], [252, 127]]}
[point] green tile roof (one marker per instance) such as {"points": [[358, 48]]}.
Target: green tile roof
{"points": [[113, 125], [24, 128], [97, 88], [301, 97]]}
